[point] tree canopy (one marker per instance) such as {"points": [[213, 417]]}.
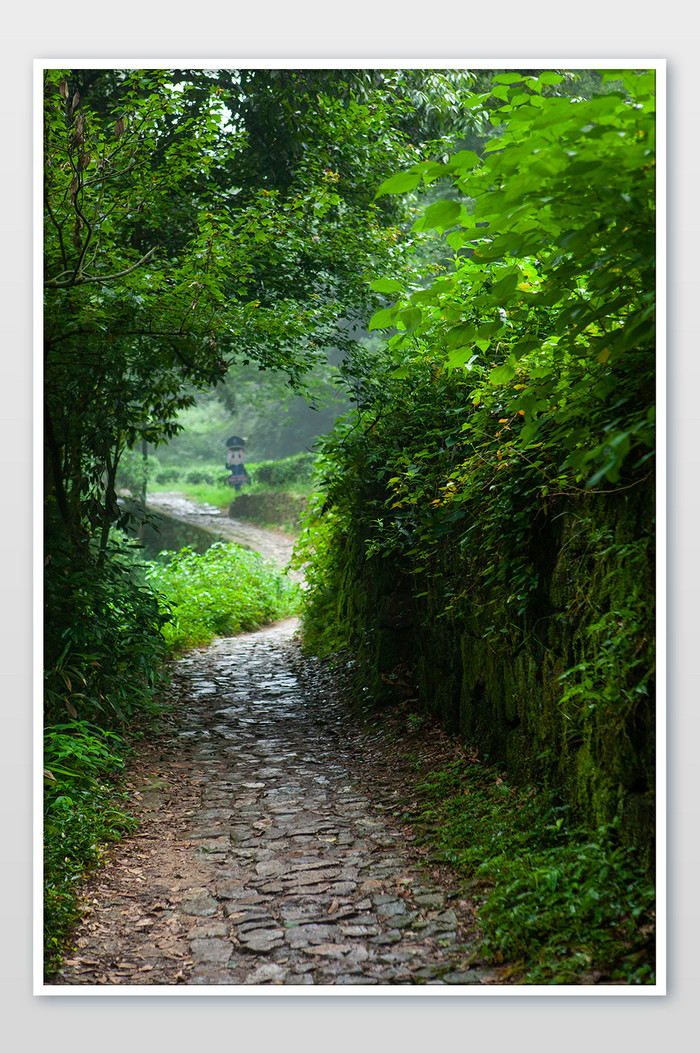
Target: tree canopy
{"points": [[194, 219]]}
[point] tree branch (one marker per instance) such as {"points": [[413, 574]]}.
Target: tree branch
{"points": [[82, 279]]}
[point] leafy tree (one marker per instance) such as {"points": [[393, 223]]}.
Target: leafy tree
{"points": [[550, 295], [193, 220], [182, 235]]}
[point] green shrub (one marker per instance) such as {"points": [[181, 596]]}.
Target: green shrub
{"points": [[81, 812], [209, 478], [103, 643], [561, 902], [167, 475], [295, 473], [222, 592]]}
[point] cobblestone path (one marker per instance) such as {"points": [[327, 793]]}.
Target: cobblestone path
{"points": [[274, 545], [284, 867]]}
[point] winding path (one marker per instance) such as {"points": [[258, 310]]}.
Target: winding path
{"points": [[272, 544], [271, 848]]}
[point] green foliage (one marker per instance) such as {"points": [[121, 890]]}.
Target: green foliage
{"points": [[522, 373], [222, 592], [558, 904], [165, 264], [321, 553], [103, 648], [617, 669], [292, 474], [493, 486], [551, 288], [81, 813]]}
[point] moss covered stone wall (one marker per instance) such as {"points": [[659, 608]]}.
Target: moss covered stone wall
{"points": [[562, 693]]}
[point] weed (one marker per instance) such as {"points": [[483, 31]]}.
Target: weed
{"points": [[219, 593], [81, 812], [561, 904]]}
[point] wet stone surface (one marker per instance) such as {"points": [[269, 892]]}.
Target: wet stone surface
{"points": [[289, 871]]}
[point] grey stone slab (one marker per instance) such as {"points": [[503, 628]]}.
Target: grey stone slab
{"points": [[430, 899], [213, 928], [359, 930], [303, 935], [202, 905], [329, 950], [260, 945], [269, 972], [392, 936], [211, 950], [393, 907]]}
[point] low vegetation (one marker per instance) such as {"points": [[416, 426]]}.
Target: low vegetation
{"points": [[225, 591], [559, 904]]}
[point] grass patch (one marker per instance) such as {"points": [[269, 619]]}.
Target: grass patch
{"points": [[563, 906], [225, 591]]}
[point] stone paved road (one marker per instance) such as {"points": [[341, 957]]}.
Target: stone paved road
{"points": [[300, 876]]}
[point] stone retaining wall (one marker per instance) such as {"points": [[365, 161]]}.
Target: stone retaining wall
{"points": [[270, 509], [501, 689]]}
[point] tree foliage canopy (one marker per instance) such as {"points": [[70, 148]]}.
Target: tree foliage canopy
{"points": [[549, 298], [194, 219]]}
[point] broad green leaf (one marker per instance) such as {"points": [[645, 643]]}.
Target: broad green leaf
{"points": [[522, 347], [503, 374], [509, 78], [459, 335], [434, 171], [463, 161], [401, 183], [550, 77], [386, 285], [505, 288], [411, 318], [401, 372], [461, 356], [457, 239], [441, 214], [529, 431], [383, 319]]}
